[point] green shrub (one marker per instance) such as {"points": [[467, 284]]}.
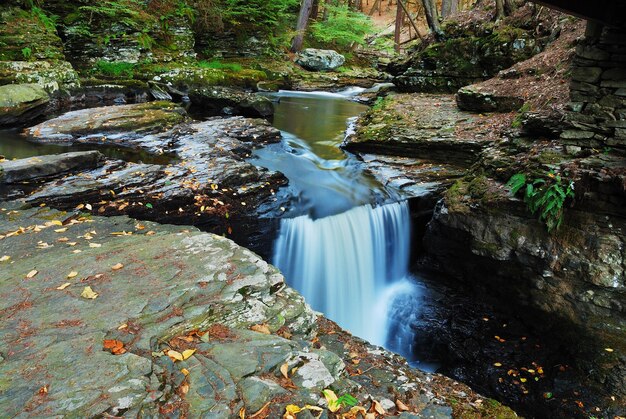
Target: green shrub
{"points": [[115, 68], [343, 28], [259, 15], [217, 64], [27, 53], [544, 197]]}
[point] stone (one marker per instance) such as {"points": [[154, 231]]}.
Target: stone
{"points": [[586, 74], [32, 168], [614, 74], [590, 52], [576, 135], [21, 103], [214, 101], [319, 59], [51, 75], [471, 99], [613, 84], [135, 120], [176, 282]]}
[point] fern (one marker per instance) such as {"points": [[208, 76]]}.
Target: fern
{"points": [[544, 197]]}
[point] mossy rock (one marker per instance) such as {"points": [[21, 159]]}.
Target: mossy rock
{"points": [[51, 75], [28, 35], [20, 103]]}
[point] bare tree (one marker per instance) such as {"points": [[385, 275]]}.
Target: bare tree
{"points": [[449, 7], [432, 17], [500, 14], [303, 19]]}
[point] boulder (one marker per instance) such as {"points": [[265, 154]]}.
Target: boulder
{"points": [[13, 171], [51, 75], [472, 99], [320, 59], [228, 101], [21, 103]]}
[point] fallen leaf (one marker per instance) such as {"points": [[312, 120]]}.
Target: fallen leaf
{"points": [[401, 406], [117, 266], [497, 364], [331, 399], [89, 294], [261, 328], [185, 371], [242, 413], [187, 353], [32, 273], [378, 408], [5, 258], [116, 347], [184, 388], [174, 355], [284, 370], [62, 287], [88, 206], [608, 349], [95, 245], [72, 274], [61, 230], [56, 223]]}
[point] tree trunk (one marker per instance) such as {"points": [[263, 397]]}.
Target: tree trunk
{"points": [[509, 7], [500, 10], [315, 10], [432, 17], [448, 7], [399, 16], [303, 19]]}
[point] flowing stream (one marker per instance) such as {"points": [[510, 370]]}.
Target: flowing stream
{"points": [[346, 246]]}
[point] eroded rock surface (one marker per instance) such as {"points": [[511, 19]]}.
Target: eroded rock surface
{"points": [[21, 103], [319, 59], [158, 288]]}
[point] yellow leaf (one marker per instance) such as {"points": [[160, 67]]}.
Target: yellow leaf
{"points": [[89, 293], [72, 274], [608, 349], [523, 380], [80, 206], [61, 230], [401, 406], [242, 413], [185, 371], [95, 245], [284, 369], [378, 408], [62, 287], [56, 223], [331, 399], [117, 266], [187, 353], [174, 355], [293, 409], [32, 273], [261, 328], [497, 364], [5, 258]]}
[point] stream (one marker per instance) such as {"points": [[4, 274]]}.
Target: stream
{"points": [[346, 243]]}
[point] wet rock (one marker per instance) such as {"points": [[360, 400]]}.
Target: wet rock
{"points": [[178, 289], [472, 99], [224, 100], [319, 59], [21, 103], [33, 168], [417, 126], [128, 120], [209, 181]]}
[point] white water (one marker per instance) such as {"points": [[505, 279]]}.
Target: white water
{"points": [[350, 266]]}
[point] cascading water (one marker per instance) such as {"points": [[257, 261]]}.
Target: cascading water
{"points": [[349, 265]]}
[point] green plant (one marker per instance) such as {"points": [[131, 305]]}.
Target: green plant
{"points": [[544, 197], [115, 68], [145, 41], [49, 21], [347, 400], [217, 64], [517, 122], [27, 53], [344, 27]]}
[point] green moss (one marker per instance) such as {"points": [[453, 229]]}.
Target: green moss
{"points": [[28, 35], [550, 157], [217, 64], [119, 69]]}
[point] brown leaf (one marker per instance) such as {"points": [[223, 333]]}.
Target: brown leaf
{"points": [[401, 406], [284, 369], [261, 328], [116, 347], [32, 274], [117, 266], [378, 408]]}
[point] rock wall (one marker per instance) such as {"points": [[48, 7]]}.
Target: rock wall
{"points": [[598, 90]]}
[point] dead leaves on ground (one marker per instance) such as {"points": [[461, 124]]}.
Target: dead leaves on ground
{"points": [[116, 347]]}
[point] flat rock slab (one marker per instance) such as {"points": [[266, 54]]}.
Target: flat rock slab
{"points": [[20, 103], [209, 181], [420, 126], [243, 341], [13, 171]]}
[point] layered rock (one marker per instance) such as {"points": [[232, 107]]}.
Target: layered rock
{"points": [[208, 181], [168, 320], [224, 100], [14, 171]]}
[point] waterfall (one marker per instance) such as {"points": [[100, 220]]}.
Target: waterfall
{"points": [[345, 264]]}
